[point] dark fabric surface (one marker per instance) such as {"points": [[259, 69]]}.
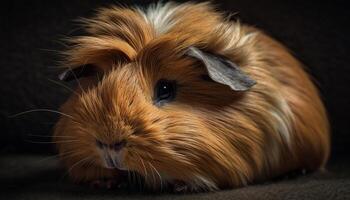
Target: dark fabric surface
{"points": [[39, 177]]}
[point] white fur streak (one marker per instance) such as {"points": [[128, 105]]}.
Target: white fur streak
{"points": [[160, 16], [282, 115], [234, 35]]}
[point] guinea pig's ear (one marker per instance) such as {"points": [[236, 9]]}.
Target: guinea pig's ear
{"points": [[78, 72], [222, 70]]}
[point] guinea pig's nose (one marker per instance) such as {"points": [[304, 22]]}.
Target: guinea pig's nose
{"points": [[116, 146], [119, 145]]}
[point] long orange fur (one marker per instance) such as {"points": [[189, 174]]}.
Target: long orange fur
{"points": [[210, 137]]}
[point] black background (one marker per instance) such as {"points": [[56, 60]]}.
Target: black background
{"points": [[317, 34]]}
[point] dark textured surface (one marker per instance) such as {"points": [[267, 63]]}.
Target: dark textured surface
{"points": [[38, 177]]}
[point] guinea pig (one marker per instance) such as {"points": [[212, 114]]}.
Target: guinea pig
{"points": [[178, 93]]}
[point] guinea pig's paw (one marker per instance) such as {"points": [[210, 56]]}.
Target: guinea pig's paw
{"points": [[104, 184]]}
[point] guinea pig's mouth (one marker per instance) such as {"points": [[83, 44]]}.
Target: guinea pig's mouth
{"points": [[113, 159]]}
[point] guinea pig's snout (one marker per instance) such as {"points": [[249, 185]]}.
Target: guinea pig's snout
{"points": [[112, 155]]}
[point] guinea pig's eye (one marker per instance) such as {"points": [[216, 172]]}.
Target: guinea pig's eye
{"points": [[164, 91]]}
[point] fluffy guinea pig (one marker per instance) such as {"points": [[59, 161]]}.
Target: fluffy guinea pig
{"points": [[177, 93]]}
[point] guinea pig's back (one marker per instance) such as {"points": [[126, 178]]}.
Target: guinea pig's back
{"points": [[310, 138]]}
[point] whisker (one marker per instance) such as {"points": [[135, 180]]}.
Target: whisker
{"points": [[80, 124], [51, 142], [61, 155], [49, 50], [160, 177], [76, 78], [154, 179], [41, 110], [51, 136], [91, 134], [76, 164], [71, 154], [150, 155], [63, 85], [18, 168], [144, 167], [89, 163]]}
